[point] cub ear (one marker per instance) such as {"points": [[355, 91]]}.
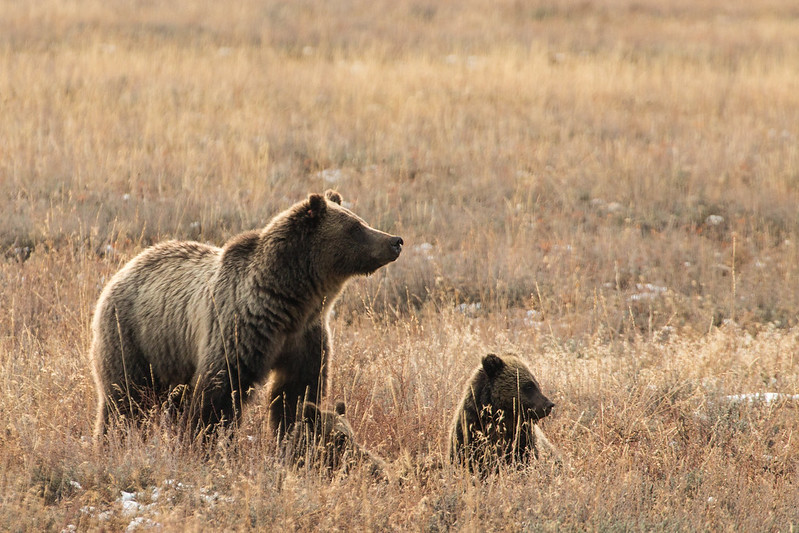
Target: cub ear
{"points": [[315, 206], [310, 411], [340, 408], [492, 365], [333, 196]]}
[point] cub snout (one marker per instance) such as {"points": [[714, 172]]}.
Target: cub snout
{"points": [[548, 407], [542, 410]]}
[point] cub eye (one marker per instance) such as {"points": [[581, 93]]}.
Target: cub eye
{"points": [[529, 387]]}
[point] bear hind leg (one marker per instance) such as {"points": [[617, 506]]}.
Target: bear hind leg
{"points": [[101, 422]]}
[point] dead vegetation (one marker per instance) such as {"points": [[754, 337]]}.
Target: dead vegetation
{"points": [[608, 188]]}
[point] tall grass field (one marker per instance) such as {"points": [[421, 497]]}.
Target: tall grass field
{"points": [[606, 188]]}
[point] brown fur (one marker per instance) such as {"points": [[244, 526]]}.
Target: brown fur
{"points": [[496, 419], [325, 439], [219, 321]]}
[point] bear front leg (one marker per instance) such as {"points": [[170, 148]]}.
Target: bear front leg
{"points": [[213, 403], [299, 375]]}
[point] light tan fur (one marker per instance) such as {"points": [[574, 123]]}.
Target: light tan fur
{"points": [[218, 321]]}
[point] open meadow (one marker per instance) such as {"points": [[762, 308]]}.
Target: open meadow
{"points": [[607, 188]]}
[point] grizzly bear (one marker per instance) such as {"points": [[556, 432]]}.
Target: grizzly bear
{"points": [[325, 439], [496, 420], [216, 322]]}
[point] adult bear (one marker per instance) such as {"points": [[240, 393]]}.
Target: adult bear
{"points": [[214, 322]]}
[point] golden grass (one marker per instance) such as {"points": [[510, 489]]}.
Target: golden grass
{"points": [[558, 163]]}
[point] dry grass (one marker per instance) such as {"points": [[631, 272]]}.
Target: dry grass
{"points": [[614, 183]]}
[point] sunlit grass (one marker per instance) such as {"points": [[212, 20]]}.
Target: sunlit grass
{"points": [[608, 189]]}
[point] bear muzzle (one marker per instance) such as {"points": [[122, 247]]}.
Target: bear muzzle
{"points": [[396, 245], [381, 249], [543, 411]]}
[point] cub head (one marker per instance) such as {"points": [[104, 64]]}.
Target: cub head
{"points": [[325, 438], [329, 434], [513, 388], [343, 244]]}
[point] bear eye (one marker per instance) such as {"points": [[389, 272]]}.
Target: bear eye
{"points": [[529, 387]]}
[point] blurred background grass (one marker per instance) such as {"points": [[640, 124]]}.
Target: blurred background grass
{"points": [[588, 148]]}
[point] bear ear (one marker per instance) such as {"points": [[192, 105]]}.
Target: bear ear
{"points": [[492, 365], [340, 408], [315, 206], [310, 411], [333, 196]]}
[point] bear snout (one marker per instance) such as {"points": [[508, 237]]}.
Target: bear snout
{"points": [[396, 244], [542, 410]]}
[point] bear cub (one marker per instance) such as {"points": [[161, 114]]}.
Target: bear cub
{"points": [[324, 439], [496, 420]]}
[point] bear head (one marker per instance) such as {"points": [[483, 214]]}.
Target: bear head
{"points": [[512, 388], [344, 245]]}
